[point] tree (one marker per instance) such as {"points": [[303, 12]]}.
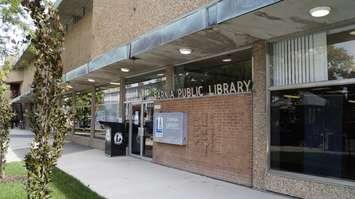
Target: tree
{"points": [[83, 107], [51, 120], [13, 27], [340, 63], [5, 117], [11, 15]]}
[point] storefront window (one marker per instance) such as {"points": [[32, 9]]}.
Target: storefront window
{"points": [[313, 131], [313, 128], [313, 58], [224, 69], [341, 56], [145, 90]]}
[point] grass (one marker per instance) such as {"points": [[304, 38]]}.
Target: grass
{"points": [[63, 186]]}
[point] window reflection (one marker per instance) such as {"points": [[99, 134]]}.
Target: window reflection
{"points": [[214, 70], [341, 56], [313, 131]]}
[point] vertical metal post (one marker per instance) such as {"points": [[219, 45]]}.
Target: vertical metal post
{"points": [[93, 115], [141, 125], [141, 137], [129, 106]]}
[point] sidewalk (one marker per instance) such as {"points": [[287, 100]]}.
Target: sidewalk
{"points": [[20, 141], [127, 177]]}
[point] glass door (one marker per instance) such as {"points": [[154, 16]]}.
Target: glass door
{"points": [[141, 129], [134, 128], [148, 111]]}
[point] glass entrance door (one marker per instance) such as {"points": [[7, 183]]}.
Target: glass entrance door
{"points": [[134, 127], [141, 129], [148, 111]]}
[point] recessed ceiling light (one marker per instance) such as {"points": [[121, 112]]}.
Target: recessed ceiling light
{"points": [[115, 83], [125, 70], [227, 60], [321, 11], [352, 33], [91, 80], [185, 51]]}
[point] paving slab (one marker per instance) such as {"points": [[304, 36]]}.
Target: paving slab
{"points": [[133, 178]]}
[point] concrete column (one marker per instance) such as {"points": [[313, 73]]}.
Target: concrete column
{"points": [[121, 100], [140, 90], [169, 74], [260, 132], [93, 115]]}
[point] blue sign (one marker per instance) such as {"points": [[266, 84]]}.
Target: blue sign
{"points": [[159, 127]]}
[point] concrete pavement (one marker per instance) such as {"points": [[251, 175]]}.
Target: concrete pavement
{"points": [[128, 177], [20, 141]]}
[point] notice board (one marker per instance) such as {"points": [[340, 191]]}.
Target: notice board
{"points": [[170, 128]]}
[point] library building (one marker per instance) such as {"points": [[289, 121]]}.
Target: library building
{"points": [[259, 93]]}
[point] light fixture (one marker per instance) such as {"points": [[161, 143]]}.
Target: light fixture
{"points": [[125, 70], [227, 60], [351, 101], [115, 83], [91, 80], [352, 33], [292, 96], [185, 51], [160, 74], [320, 11]]}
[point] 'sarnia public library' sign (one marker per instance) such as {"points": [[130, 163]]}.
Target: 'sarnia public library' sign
{"points": [[230, 88]]}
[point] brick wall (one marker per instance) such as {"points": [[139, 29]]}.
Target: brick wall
{"points": [[118, 22], [77, 44], [219, 141]]}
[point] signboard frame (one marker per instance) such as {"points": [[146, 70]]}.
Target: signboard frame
{"points": [[170, 128]]}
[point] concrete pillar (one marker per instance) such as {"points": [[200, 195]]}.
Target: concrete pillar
{"points": [[260, 132], [93, 115], [121, 100], [169, 74], [141, 90]]}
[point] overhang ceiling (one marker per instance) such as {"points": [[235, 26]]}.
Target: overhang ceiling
{"points": [[159, 48]]}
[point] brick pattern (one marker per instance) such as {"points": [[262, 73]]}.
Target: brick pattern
{"points": [[117, 22], [219, 141], [77, 44]]}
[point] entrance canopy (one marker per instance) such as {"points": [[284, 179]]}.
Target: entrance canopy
{"points": [[216, 29]]}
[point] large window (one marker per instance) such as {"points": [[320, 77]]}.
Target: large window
{"points": [[313, 126], [313, 131], [223, 69]]}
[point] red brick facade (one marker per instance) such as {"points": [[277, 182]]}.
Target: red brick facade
{"points": [[219, 141]]}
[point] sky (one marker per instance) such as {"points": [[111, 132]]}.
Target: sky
{"points": [[15, 34]]}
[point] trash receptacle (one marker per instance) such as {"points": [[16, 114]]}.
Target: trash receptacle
{"points": [[116, 138]]}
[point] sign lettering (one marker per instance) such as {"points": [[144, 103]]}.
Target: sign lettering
{"points": [[231, 88]]}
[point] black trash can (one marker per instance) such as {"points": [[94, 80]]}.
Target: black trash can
{"points": [[116, 138]]}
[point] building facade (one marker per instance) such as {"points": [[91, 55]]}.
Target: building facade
{"points": [[267, 86]]}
